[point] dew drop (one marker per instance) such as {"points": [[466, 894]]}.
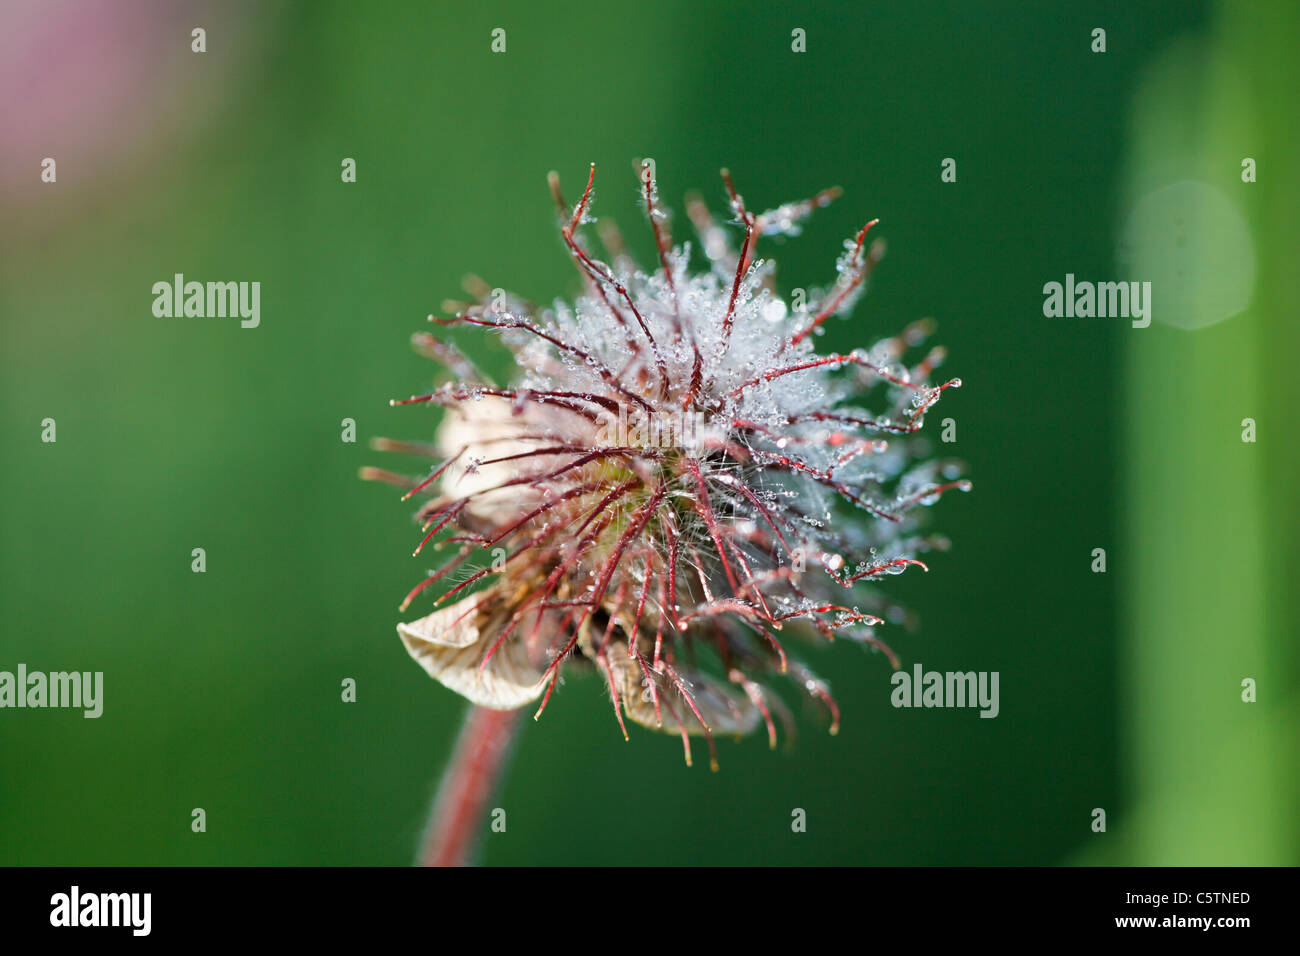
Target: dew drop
{"points": [[774, 311]]}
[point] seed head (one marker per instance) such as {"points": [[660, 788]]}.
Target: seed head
{"points": [[674, 480]]}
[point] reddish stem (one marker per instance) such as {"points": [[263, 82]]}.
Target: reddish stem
{"points": [[472, 776]]}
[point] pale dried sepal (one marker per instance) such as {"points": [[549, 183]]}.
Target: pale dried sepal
{"points": [[448, 627], [451, 644], [481, 431]]}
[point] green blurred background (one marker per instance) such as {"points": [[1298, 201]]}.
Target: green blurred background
{"points": [[222, 690]]}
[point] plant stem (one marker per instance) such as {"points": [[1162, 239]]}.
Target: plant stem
{"points": [[472, 776]]}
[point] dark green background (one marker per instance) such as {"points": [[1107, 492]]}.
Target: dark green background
{"points": [[223, 689]]}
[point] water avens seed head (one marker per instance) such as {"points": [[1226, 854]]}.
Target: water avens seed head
{"points": [[674, 477]]}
